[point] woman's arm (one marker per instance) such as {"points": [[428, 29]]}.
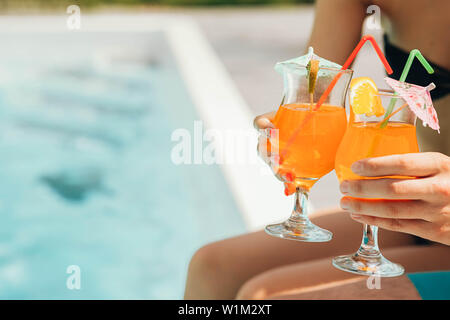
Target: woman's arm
{"points": [[417, 206], [337, 28]]}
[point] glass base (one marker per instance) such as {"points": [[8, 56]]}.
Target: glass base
{"points": [[291, 230], [369, 266]]}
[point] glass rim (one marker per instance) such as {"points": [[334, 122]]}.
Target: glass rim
{"points": [[386, 93], [298, 66]]}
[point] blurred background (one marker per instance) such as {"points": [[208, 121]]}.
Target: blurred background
{"points": [[136, 4], [87, 117]]}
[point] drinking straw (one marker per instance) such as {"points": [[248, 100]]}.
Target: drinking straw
{"points": [[333, 82], [430, 87], [415, 53], [349, 61], [391, 115]]}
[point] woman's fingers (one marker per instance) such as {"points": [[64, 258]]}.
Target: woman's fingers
{"points": [[417, 227], [394, 209], [289, 188], [388, 188], [263, 149], [264, 121], [263, 125], [433, 189], [412, 164], [268, 136]]}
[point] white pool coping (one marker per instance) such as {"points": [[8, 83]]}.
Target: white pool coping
{"points": [[259, 196]]}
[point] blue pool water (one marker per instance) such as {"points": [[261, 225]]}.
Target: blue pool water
{"points": [[86, 174]]}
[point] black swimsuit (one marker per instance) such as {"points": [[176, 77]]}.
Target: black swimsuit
{"points": [[417, 74]]}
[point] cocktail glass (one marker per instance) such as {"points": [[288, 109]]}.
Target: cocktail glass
{"points": [[365, 138], [306, 142]]}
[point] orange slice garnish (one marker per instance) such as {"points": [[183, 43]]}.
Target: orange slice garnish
{"points": [[363, 97]]}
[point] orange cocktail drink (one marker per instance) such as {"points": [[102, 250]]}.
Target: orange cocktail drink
{"points": [[366, 139], [306, 139], [372, 133], [309, 154]]}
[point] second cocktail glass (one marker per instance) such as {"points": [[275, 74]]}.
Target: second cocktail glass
{"points": [[366, 138], [306, 142]]}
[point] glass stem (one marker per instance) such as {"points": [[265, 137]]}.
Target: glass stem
{"points": [[300, 212], [369, 245]]}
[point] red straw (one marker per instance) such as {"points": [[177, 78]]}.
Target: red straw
{"points": [[349, 61]]}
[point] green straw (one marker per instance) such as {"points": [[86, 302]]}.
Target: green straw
{"points": [[415, 53]]}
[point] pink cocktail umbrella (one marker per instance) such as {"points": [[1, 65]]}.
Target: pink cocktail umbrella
{"points": [[418, 99]]}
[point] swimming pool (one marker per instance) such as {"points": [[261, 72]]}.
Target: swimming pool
{"points": [[85, 169]]}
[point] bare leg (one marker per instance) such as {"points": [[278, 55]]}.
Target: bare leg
{"points": [[400, 288], [218, 270], [318, 278]]}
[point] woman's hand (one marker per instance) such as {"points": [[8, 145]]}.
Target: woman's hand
{"points": [[264, 125], [417, 206]]}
